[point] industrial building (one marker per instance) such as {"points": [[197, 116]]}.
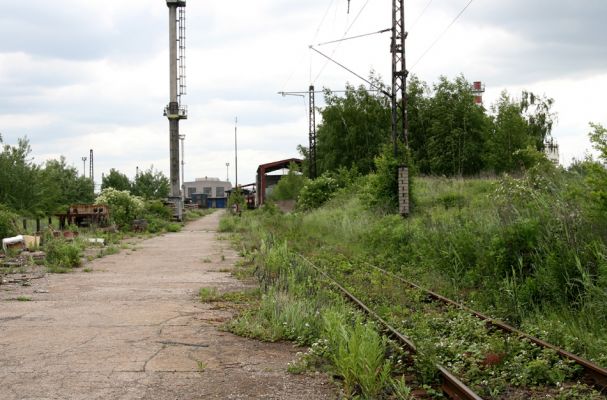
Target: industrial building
{"points": [[213, 189]]}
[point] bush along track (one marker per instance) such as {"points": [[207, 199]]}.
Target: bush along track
{"points": [[493, 363]]}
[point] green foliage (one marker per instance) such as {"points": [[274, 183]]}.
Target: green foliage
{"points": [[62, 256], [317, 192], [358, 353], [452, 141], [39, 190], [289, 186], [117, 180], [354, 128], [208, 294], [8, 227], [156, 208], [237, 197], [19, 186], [124, 208], [151, 184]]}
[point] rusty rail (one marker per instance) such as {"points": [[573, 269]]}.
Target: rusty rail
{"points": [[593, 372], [451, 385]]}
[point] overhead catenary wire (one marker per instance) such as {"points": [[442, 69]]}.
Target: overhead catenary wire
{"points": [[439, 37], [354, 37], [345, 34], [421, 14], [330, 59], [320, 24]]}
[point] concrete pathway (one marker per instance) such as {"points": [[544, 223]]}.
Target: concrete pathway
{"points": [[133, 329]]}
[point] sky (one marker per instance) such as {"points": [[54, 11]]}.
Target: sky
{"points": [[78, 75]]}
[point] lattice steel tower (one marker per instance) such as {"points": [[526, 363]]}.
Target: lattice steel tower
{"points": [[312, 122], [399, 100], [176, 111]]}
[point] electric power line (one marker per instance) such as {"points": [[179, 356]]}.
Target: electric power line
{"points": [[350, 71], [345, 34], [354, 37], [322, 21], [439, 37], [421, 14]]}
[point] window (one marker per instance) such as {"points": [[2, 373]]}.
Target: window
{"points": [[207, 191], [220, 191], [191, 191]]}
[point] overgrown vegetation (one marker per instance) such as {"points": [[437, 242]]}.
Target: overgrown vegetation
{"points": [[529, 249], [295, 306]]}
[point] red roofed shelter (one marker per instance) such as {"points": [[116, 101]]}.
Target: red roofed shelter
{"points": [[263, 181]]}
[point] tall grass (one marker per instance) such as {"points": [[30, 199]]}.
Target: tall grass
{"points": [[529, 249]]}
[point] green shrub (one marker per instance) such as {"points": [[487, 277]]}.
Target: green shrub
{"points": [[124, 207], [317, 192], [62, 256], [289, 186], [156, 208], [173, 227], [8, 228]]}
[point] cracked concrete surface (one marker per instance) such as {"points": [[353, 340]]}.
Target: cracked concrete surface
{"points": [[133, 329]]}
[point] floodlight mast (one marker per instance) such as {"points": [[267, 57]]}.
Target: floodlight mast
{"points": [[175, 111]]}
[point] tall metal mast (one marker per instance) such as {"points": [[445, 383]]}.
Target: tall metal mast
{"points": [[399, 101], [175, 111], [92, 169], [312, 121]]}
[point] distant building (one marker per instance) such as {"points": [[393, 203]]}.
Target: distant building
{"points": [[214, 190]]}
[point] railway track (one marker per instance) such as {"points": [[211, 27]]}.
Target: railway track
{"points": [[451, 385]]}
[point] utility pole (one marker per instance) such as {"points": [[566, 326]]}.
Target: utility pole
{"points": [[312, 138], [83, 167], [399, 105], [236, 151], [92, 170]]}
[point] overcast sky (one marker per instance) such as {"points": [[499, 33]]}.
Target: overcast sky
{"points": [[76, 75]]}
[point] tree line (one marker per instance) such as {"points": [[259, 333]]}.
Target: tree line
{"points": [[449, 134], [39, 190], [32, 189]]}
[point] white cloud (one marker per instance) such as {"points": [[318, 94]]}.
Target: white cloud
{"points": [[79, 75]]}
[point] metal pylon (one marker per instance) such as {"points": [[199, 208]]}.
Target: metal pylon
{"points": [[399, 101], [312, 122]]}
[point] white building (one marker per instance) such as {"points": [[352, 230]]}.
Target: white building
{"points": [[212, 187]]}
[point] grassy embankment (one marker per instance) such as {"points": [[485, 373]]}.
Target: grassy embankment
{"points": [[529, 250]]}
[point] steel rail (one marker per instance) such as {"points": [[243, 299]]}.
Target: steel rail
{"points": [[451, 385], [595, 372]]}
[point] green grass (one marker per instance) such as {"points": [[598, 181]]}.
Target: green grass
{"points": [[208, 295], [23, 298], [529, 250]]}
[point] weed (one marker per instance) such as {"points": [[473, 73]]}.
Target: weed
{"points": [[23, 298], [206, 260], [87, 270], [208, 295], [173, 227], [201, 366], [62, 256]]}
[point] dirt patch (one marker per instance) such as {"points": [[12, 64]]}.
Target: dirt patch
{"points": [[133, 329]]}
